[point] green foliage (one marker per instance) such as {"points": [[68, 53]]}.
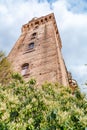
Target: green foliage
{"points": [[24, 106], [1, 55], [5, 69], [16, 77]]}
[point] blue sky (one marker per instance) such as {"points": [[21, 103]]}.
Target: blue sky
{"points": [[71, 18]]}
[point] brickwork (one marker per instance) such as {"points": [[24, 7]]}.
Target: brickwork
{"points": [[44, 55]]}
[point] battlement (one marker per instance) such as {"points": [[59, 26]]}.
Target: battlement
{"points": [[36, 22]]}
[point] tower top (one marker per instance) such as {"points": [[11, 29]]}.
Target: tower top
{"points": [[35, 22]]}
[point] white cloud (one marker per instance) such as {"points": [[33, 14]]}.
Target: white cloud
{"points": [[14, 14], [81, 70], [72, 25], [77, 6]]}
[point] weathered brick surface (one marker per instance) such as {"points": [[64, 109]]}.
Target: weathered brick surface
{"points": [[45, 59]]}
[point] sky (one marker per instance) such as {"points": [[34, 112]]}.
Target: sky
{"points": [[71, 18]]}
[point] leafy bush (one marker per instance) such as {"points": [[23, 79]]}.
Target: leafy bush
{"points": [[23, 106]]}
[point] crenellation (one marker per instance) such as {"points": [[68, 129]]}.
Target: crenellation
{"points": [[37, 22]]}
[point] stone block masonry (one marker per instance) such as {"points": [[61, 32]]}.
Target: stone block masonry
{"points": [[37, 52]]}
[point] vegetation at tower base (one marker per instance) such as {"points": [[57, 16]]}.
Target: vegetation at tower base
{"points": [[26, 106], [5, 69]]}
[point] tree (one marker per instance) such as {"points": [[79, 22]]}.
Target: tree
{"points": [[5, 69], [1, 55], [24, 106]]}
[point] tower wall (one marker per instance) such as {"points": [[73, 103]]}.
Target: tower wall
{"points": [[44, 56]]}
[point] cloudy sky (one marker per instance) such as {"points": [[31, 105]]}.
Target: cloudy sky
{"points": [[71, 18]]}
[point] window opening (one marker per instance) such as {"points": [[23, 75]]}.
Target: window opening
{"points": [[46, 19], [49, 17], [31, 45], [34, 34], [37, 23], [31, 24], [42, 20], [24, 69]]}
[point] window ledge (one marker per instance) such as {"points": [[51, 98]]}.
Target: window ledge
{"points": [[26, 75], [29, 50]]}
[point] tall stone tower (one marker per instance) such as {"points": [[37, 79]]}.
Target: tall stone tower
{"points": [[37, 52]]}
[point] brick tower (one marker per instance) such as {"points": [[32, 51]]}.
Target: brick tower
{"points": [[37, 52]]}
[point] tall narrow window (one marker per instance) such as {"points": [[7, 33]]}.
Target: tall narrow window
{"points": [[31, 45], [24, 69]]}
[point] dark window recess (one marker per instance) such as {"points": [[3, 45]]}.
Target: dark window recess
{"points": [[46, 19], [57, 32], [34, 34], [49, 17], [31, 45], [37, 23], [31, 24], [42, 20], [24, 69]]}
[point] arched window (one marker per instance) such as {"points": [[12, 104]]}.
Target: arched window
{"points": [[31, 45], [25, 67]]}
